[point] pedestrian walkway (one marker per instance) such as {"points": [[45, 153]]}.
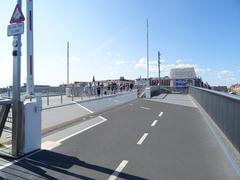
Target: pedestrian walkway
{"points": [[58, 115], [178, 99]]}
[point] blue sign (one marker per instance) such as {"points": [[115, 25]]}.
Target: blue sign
{"points": [[180, 83]]}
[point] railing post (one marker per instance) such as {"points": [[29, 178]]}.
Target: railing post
{"points": [[72, 95], [48, 99]]}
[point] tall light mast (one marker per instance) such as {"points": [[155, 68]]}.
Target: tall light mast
{"points": [[67, 63], [159, 63], [147, 57]]}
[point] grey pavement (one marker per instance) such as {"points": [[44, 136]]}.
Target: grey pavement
{"points": [[106, 103], [179, 146], [178, 99], [52, 117], [58, 115]]}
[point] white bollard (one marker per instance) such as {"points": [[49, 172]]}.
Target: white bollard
{"points": [[148, 92], [32, 125]]}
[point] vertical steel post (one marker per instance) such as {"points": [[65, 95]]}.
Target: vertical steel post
{"points": [[67, 63], [159, 79], [147, 57], [30, 57], [17, 109]]}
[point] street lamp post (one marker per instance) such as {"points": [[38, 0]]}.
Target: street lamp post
{"points": [[148, 83], [68, 90], [159, 78]]}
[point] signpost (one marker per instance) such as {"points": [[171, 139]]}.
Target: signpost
{"points": [[16, 29]]}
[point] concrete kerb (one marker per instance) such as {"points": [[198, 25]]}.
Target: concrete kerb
{"points": [[229, 150]]}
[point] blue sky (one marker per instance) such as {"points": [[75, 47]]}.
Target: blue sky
{"points": [[108, 39]]}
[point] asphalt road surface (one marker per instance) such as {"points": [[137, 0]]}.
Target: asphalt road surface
{"points": [[139, 140]]}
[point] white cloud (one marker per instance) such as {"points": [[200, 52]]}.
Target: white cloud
{"points": [[185, 65], [74, 59], [226, 75], [58, 57], [202, 70], [119, 62], [165, 68], [183, 60], [71, 58], [104, 45], [109, 68], [162, 60], [109, 53], [141, 63]]}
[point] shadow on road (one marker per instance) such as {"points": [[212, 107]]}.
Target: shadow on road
{"points": [[52, 165]]}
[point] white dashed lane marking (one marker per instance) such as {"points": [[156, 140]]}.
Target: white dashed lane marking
{"points": [[146, 108], [118, 170], [160, 114], [154, 123], [142, 138]]}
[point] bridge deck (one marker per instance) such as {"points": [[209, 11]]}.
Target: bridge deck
{"points": [[142, 139]]}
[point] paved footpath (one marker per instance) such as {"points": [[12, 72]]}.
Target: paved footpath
{"points": [[139, 140]]}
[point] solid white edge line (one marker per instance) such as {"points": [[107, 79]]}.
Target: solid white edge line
{"points": [[102, 118], [154, 123], [160, 114], [83, 107], [118, 170], [146, 108], [59, 141], [89, 127], [142, 138]]}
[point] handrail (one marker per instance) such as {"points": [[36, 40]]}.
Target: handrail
{"points": [[222, 94], [223, 108], [6, 101]]}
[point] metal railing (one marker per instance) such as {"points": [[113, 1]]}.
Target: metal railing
{"points": [[156, 90], [50, 99], [223, 108], [5, 106]]}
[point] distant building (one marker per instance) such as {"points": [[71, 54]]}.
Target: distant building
{"points": [[164, 81], [183, 73], [182, 77], [235, 88], [220, 88]]}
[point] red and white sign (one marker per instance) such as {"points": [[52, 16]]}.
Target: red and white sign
{"points": [[17, 16]]}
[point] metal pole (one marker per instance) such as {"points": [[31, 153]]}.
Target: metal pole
{"points": [[30, 59], [67, 63], [17, 124], [48, 99], [147, 56], [159, 79]]}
